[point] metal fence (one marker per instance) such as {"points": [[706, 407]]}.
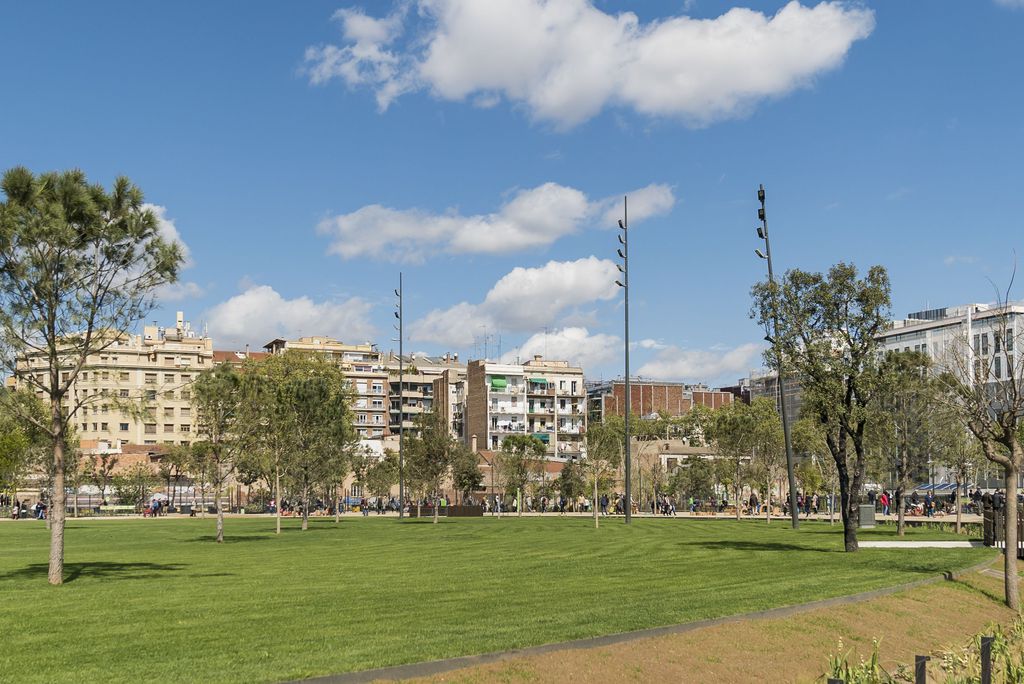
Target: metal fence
{"points": [[994, 528]]}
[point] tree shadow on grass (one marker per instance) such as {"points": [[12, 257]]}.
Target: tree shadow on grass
{"points": [[228, 539], [97, 569], [744, 545]]}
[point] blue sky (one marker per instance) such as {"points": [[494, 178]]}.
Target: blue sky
{"points": [[306, 155]]}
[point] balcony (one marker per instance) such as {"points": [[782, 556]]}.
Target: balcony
{"points": [[508, 429]]}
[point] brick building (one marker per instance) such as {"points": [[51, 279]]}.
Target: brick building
{"points": [[650, 397]]}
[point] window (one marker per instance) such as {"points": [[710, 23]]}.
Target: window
{"points": [[149, 441], [123, 427], [150, 428], [574, 387], [104, 427], [168, 395], [378, 403], [168, 360], [85, 375], [186, 395], [104, 409], [378, 388], [186, 428], [85, 427], [184, 442], [123, 394], [64, 376], [95, 427], [977, 343], [150, 378], [105, 376], [168, 427], [378, 419], [168, 377], [186, 378], [124, 377], [186, 412], [1009, 339], [168, 412], [361, 418], [150, 395], [999, 368], [984, 343], [996, 342]]}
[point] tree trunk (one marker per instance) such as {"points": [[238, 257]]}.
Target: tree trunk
{"points": [[832, 507], [597, 511], [437, 507], [55, 516], [305, 507], [901, 515], [959, 520], [847, 503], [337, 502], [220, 515], [519, 502], [277, 498], [1010, 579]]}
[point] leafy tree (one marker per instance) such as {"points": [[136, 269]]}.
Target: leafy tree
{"points": [[466, 474], [768, 450], [827, 328], [809, 442], [216, 397], [570, 482], [695, 477], [315, 423], [23, 446], [79, 267], [101, 471], [731, 433], [134, 485], [602, 460], [903, 419], [171, 467], [961, 453], [429, 457], [520, 461], [382, 475]]}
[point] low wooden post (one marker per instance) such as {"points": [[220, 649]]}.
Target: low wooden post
{"points": [[921, 669], [986, 659]]}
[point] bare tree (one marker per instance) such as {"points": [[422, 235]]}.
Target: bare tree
{"points": [[987, 390]]}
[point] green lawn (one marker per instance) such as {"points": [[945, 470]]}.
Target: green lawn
{"points": [[158, 600]]}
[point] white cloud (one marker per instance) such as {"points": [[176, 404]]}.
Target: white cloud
{"points": [[261, 314], [167, 230], [532, 219], [180, 290], [566, 60], [1012, 4], [954, 259], [575, 345], [648, 343], [673, 363], [523, 300]]}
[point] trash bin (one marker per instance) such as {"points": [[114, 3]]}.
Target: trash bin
{"points": [[866, 518]]}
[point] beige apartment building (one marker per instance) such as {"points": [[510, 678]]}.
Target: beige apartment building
{"points": [[154, 370], [543, 398], [415, 394], [363, 365], [450, 400]]}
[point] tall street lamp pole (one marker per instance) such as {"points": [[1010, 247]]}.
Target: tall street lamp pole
{"points": [[401, 421], [762, 232], [623, 253]]}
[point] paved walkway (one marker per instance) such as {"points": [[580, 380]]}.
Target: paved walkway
{"points": [[920, 544]]}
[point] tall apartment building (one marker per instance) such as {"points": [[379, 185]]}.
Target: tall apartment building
{"points": [[649, 398], [363, 365], [450, 400], [765, 384], [544, 398], [416, 393], [154, 370]]}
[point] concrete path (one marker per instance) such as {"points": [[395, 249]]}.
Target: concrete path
{"points": [[920, 544]]}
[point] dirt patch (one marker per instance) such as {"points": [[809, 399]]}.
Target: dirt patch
{"points": [[791, 649]]}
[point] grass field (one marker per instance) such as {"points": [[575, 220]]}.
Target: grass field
{"points": [[157, 599]]}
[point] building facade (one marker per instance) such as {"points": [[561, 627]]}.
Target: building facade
{"points": [[650, 398], [363, 366], [154, 371], [543, 398]]}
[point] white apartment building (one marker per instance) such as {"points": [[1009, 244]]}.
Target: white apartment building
{"points": [[543, 398]]}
